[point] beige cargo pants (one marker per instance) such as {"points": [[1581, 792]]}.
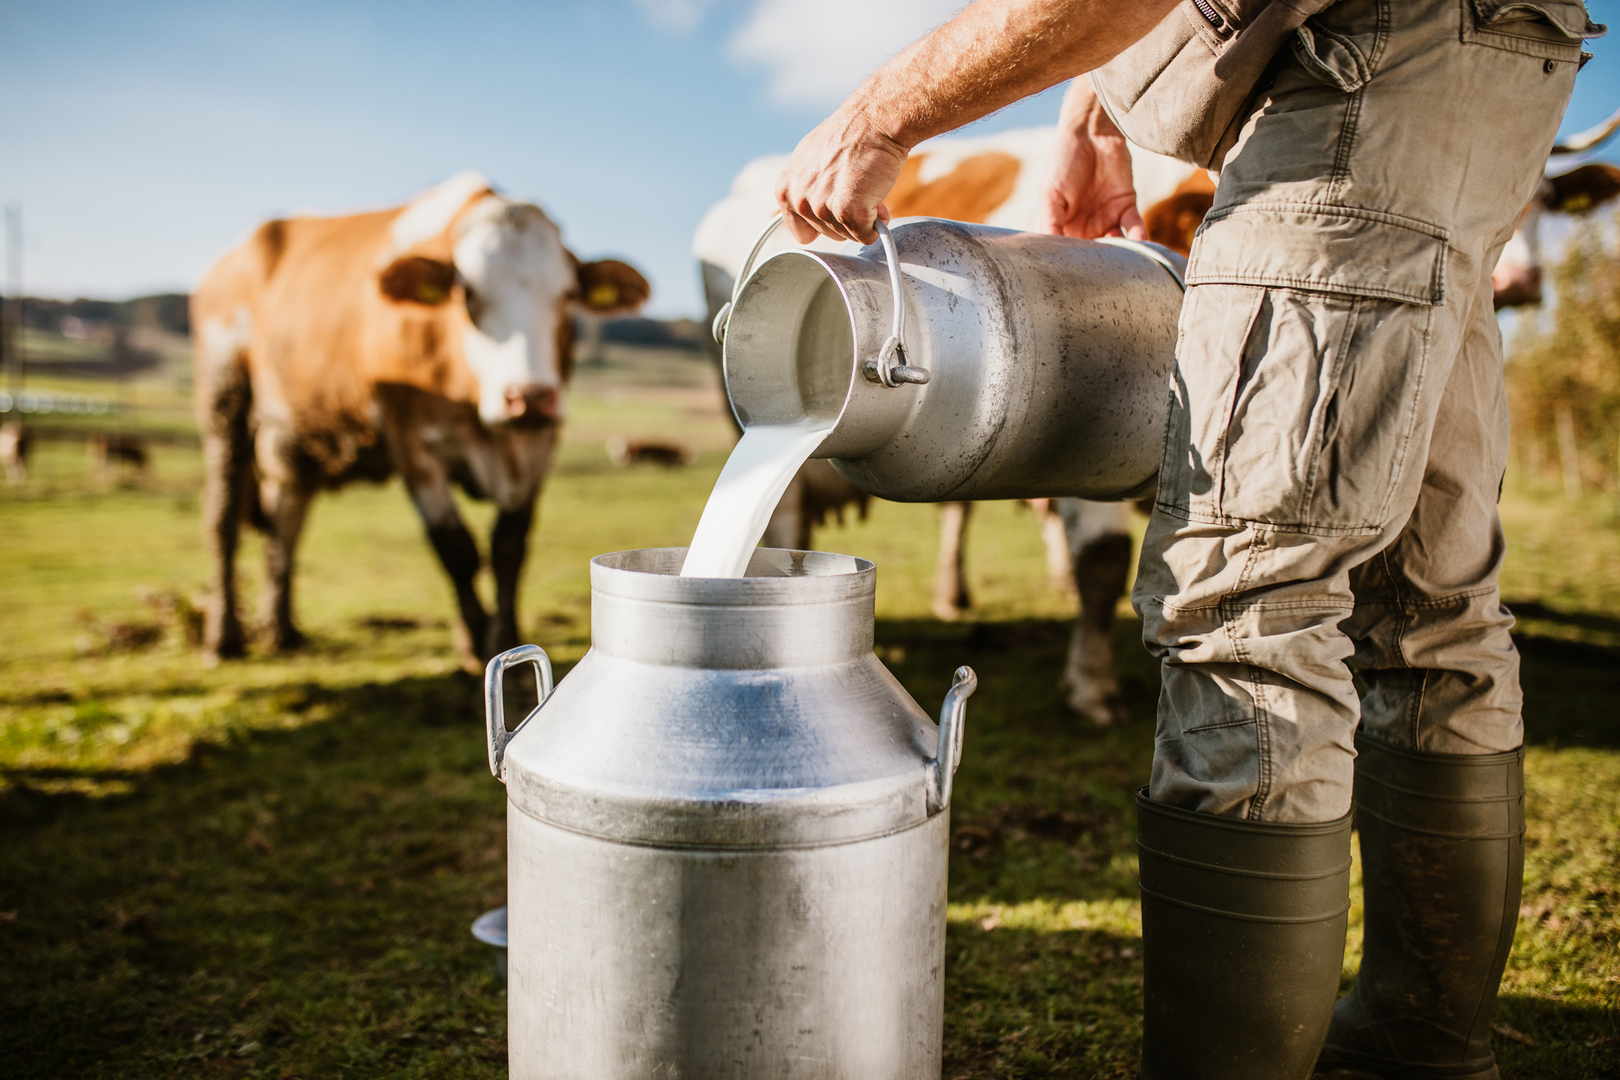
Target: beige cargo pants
{"points": [[1338, 429]]}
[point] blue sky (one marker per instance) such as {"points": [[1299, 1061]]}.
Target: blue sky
{"points": [[143, 139]]}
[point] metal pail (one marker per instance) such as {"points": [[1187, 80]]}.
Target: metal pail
{"points": [[727, 834], [1013, 364]]}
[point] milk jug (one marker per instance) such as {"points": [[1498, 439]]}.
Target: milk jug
{"points": [[727, 832], [959, 362]]}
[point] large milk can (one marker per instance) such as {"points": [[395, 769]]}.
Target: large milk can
{"points": [[963, 361], [727, 833]]}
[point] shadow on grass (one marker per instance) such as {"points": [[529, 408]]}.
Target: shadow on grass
{"points": [[1032, 1004], [1538, 1037], [1535, 610], [295, 903], [1570, 689]]}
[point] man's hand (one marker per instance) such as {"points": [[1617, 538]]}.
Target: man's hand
{"points": [[992, 54], [836, 181], [1090, 192]]}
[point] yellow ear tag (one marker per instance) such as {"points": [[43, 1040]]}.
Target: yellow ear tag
{"points": [[605, 295], [428, 293]]}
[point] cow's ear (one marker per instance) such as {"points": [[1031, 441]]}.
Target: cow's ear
{"points": [[611, 287], [416, 279], [1586, 188]]}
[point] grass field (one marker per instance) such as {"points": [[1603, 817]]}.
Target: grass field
{"points": [[269, 868]]}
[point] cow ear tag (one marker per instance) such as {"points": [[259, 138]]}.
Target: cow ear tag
{"points": [[418, 280]]}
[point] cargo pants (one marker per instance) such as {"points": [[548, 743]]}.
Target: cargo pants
{"points": [[1338, 428]]}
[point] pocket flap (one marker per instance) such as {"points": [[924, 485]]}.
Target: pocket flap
{"points": [[1567, 15], [1332, 249], [1332, 57]]}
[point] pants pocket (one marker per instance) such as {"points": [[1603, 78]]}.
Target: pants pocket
{"points": [[1550, 29], [1295, 410]]}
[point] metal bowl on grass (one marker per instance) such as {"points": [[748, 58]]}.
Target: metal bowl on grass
{"points": [[490, 928]]}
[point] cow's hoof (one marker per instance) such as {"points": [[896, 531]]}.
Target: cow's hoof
{"points": [[1104, 708], [951, 608], [288, 640], [227, 647], [467, 657]]}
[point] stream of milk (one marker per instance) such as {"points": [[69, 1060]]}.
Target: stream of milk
{"points": [[758, 471]]}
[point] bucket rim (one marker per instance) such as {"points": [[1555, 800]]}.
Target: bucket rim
{"points": [[774, 576]]}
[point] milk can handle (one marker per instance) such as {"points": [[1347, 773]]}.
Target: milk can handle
{"points": [[889, 367], [942, 770], [495, 704], [722, 318]]}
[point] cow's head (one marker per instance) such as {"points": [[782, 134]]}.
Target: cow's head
{"points": [[503, 261], [1516, 280]]}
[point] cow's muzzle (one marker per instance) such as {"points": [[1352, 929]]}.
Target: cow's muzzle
{"points": [[533, 405], [1516, 285]]}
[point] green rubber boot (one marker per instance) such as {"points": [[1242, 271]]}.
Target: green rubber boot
{"points": [[1442, 862], [1242, 940]]}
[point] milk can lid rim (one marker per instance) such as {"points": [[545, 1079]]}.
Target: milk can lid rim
{"points": [[776, 576]]}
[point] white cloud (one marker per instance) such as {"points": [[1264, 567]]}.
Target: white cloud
{"points": [[817, 51], [680, 16]]}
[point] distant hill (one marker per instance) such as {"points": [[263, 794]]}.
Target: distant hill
{"points": [[85, 319], [684, 334], [88, 338], [166, 311]]}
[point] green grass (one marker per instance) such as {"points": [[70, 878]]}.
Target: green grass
{"points": [[269, 868]]}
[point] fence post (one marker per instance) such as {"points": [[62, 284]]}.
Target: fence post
{"points": [[11, 313]]}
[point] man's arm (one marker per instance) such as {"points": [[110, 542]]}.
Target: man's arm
{"points": [[991, 55], [1090, 192]]}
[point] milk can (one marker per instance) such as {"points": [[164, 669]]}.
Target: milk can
{"points": [[963, 361], [727, 834]]}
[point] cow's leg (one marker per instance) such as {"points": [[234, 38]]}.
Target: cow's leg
{"points": [[405, 415], [508, 546], [227, 485], [1055, 540], [1100, 541], [429, 486], [458, 553], [951, 596], [285, 502]]}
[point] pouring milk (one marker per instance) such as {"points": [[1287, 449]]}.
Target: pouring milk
{"points": [[813, 377], [759, 470]]}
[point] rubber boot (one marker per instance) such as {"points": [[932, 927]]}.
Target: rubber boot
{"points": [[1442, 862], [1243, 928]]}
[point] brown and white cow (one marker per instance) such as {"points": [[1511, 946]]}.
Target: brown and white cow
{"points": [[432, 340], [994, 180]]}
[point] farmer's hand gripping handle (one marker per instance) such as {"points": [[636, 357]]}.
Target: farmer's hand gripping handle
{"points": [[495, 704], [948, 756]]}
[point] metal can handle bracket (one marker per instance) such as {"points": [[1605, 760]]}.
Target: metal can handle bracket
{"points": [[495, 704], [952, 715]]}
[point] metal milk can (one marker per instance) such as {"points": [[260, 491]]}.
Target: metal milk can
{"points": [[963, 361], [727, 834]]}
